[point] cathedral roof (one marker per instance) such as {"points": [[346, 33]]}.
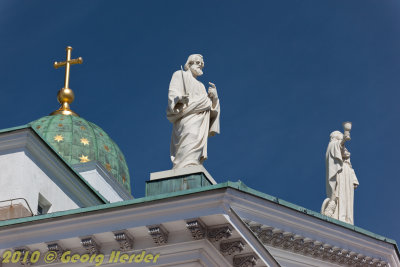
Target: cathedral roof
{"points": [[248, 202], [79, 141]]}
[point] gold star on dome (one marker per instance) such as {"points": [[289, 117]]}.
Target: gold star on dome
{"points": [[60, 125], [83, 128], [58, 138], [106, 148], [123, 179], [61, 119], [84, 141], [84, 158], [108, 166], [38, 127]]}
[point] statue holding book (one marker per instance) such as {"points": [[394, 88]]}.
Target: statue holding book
{"points": [[194, 113]]}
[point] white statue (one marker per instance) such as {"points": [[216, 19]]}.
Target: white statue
{"points": [[341, 179], [193, 112]]}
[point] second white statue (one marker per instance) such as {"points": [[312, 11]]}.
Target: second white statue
{"points": [[341, 179], [194, 113]]}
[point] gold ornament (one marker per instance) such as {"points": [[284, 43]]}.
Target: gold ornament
{"points": [[108, 166], [58, 138], [84, 158], [65, 95], [84, 141]]}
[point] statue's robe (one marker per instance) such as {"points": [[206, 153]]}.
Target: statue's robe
{"points": [[192, 123], [340, 181]]}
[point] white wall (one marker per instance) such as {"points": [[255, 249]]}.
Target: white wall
{"points": [[20, 177]]}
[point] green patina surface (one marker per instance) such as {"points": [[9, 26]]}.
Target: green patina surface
{"points": [[174, 184], [79, 141]]}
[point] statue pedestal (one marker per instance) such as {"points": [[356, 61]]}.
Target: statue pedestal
{"points": [[177, 180]]}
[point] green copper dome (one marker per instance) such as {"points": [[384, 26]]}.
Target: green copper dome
{"points": [[79, 141]]}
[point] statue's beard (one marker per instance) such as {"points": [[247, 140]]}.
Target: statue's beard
{"points": [[196, 71]]}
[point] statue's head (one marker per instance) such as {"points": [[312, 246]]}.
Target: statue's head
{"points": [[336, 135], [195, 64]]}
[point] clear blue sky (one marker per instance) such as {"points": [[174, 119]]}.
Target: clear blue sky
{"points": [[288, 73]]}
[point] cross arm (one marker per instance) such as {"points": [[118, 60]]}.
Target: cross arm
{"points": [[78, 60]]}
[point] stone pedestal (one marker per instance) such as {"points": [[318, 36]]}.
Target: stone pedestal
{"points": [[177, 180]]}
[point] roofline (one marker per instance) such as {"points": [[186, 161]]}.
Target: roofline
{"points": [[27, 126], [240, 186], [254, 236], [14, 128]]}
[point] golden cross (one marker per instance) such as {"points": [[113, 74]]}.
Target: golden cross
{"points": [[65, 96], [67, 65]]}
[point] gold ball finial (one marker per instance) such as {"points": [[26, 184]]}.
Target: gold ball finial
{"points": [[65, 95]]}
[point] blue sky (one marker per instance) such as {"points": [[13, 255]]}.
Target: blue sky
{"points": [[288, 73]]}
